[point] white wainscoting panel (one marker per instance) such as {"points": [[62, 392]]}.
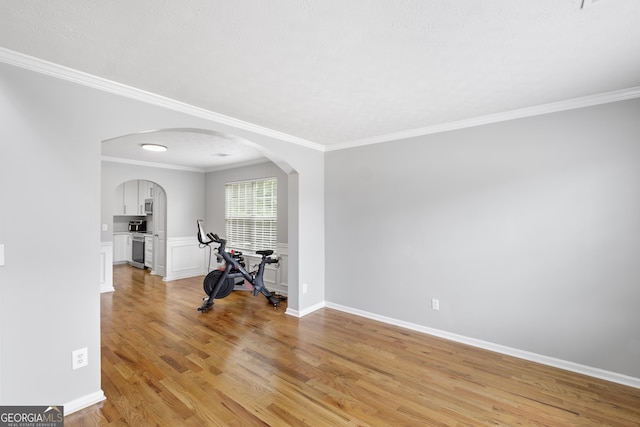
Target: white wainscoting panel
{"points": [[185, 258], [106, 267], [282, 280]]}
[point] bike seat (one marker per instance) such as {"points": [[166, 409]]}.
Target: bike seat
{"points": [[265, 252]]}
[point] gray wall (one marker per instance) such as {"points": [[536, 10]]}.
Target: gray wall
{"points": [[215, 196], [184, 190], [527, 231], [49, 294]]}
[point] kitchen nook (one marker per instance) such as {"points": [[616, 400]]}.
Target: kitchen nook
{"points": [[133, 223]]}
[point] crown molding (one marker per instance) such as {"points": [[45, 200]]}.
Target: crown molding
{"points": [[150, 164], [586, 101], [59, 71], [182, 168], [69, 74], [237, 165]]}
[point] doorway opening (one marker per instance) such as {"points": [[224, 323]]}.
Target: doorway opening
{"points": [[139, 225]]}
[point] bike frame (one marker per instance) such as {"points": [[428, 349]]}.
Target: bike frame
{"points": [[233, 269], [232, 264]]}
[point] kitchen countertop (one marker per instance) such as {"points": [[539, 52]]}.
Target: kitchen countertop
{"points": [[132, 232]]}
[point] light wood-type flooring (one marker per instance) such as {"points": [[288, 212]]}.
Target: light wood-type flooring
{"points": [[247, 364]]}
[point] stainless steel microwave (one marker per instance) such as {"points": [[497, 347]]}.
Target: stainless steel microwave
{"points": [[148, 206]]}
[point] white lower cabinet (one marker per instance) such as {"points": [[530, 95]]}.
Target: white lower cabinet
{"points": [[121, 248], [148, 252]]}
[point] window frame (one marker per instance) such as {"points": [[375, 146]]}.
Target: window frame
{"points": [[251, 214]]}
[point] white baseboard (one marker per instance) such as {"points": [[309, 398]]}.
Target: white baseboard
{"points": [[178, 276], [521, 354], [308, 310], [292, 312], [84, 402]]}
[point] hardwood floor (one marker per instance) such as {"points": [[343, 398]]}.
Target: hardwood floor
{"points": [[246, 364]]}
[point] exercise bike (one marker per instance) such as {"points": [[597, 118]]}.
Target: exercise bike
{"points": [[220, 283]]}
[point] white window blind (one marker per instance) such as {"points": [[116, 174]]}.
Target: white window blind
{"points": [[251, 214]]}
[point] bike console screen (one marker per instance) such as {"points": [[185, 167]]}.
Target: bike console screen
{"points": [[202, 236]]}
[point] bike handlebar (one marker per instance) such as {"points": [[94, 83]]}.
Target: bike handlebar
{"points": [[215, 238]]}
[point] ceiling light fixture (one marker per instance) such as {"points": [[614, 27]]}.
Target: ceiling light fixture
{"points": [[154, 147]]}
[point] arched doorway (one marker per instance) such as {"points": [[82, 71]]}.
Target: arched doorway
{"points": [[203, 151]]}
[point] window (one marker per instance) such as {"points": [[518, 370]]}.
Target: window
{"points": [[251, 214]]}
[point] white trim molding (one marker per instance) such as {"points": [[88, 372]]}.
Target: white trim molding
{"points": [[308, 310], [84, 402], [514, 352]]}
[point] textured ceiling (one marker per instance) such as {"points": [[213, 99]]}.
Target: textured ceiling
{"points": [[335, 72]]}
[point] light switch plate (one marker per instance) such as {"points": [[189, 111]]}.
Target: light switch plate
{"points": [[1, 255]]}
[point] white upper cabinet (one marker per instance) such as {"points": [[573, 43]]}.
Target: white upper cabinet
{"points": [[145, 190], [131, 205], [118, 200], [129, 197]]}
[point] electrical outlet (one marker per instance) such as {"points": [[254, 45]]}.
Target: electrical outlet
{"points": [[79, 358], [435, 304], [304, 288]]}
